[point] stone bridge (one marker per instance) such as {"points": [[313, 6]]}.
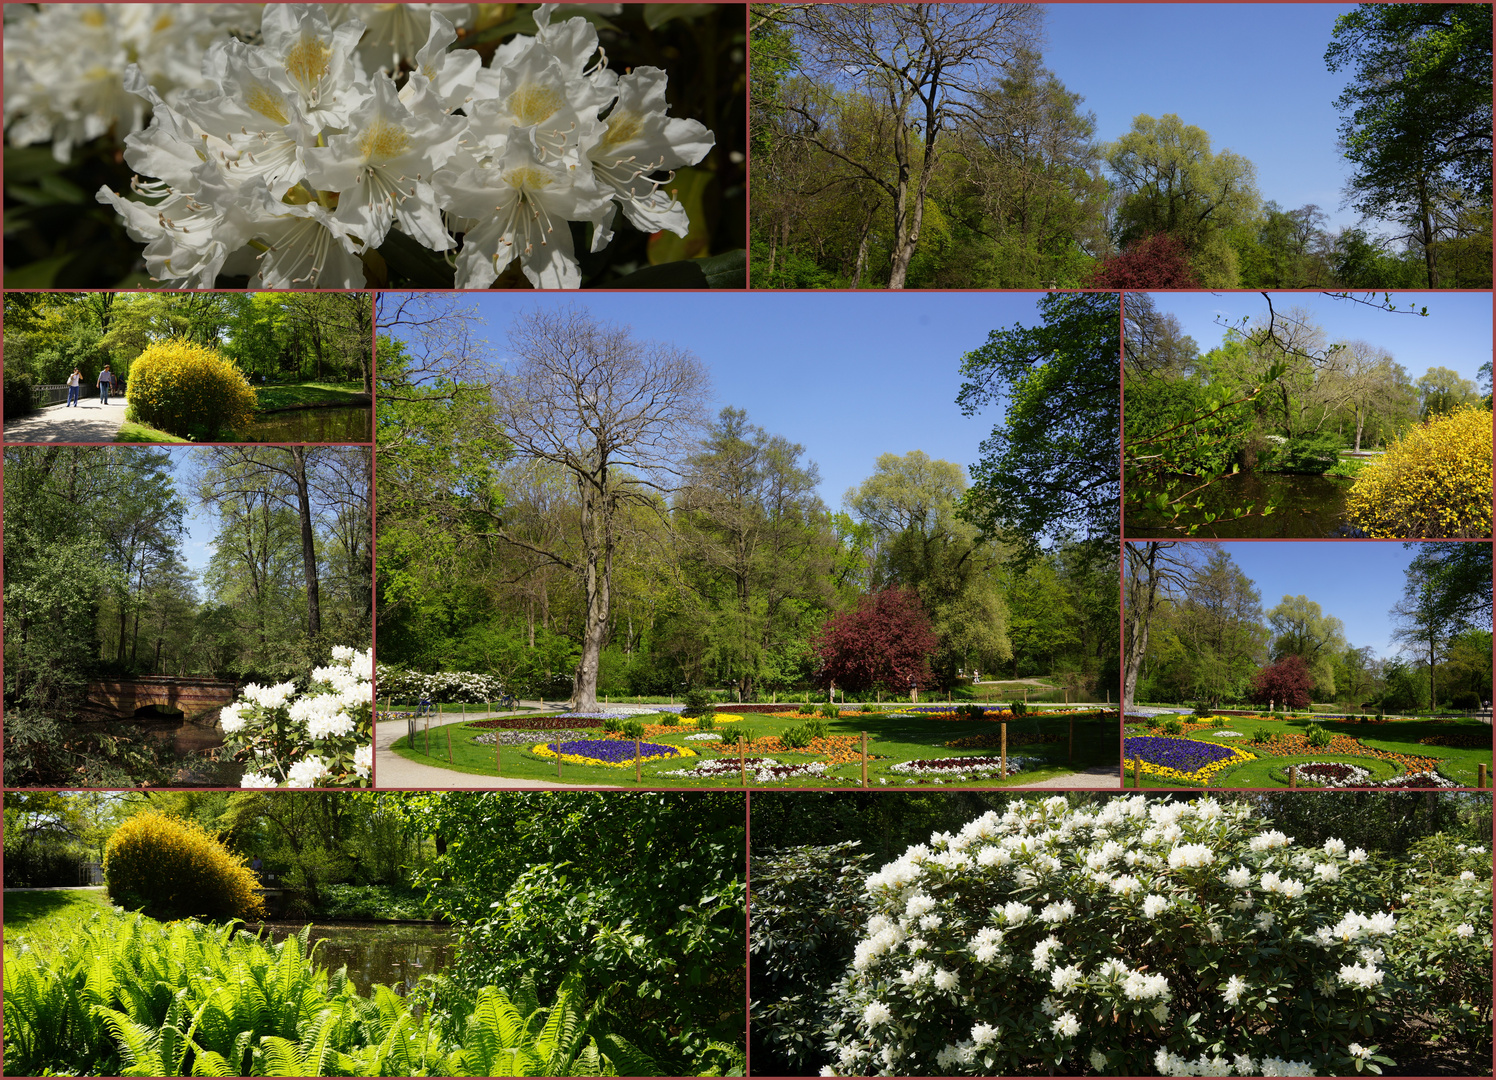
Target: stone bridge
{"points": [[199, 700]]}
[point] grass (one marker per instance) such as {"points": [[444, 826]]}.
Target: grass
{"points": [[892, 738], [1401, 737], [45, 920], [287, 395], [132, 431]]}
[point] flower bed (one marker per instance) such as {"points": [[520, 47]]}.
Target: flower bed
{"points": [[963, 768], [528, 723], [1476, 741], [615, 753], [522, 738], [992, 740], [1181, 759], [1422, 779], [1294, 745], [1228, 734], [1334, 774], [764, 770]]}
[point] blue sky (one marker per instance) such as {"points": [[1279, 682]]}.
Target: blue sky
{"points": [[1455, 334], [1252, 75], [848, 375]]}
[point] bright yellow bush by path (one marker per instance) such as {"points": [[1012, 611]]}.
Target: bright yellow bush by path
{"points": [[174, 869], [188, 389], [1435, 483]]}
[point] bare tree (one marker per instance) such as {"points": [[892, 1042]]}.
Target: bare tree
{"points": [[927, 63], [614, 412], [1156, 570]]}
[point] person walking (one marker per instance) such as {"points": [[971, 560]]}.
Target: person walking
{"points": [[106, 380], [75, 383]]}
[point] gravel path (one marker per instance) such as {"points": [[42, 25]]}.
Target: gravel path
{"points": [[88, 421], [1099, 776]]}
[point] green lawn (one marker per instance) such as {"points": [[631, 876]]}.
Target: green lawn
{"points": [[46, 919], [1401, 737], [132, 432], [284, 396], [892, 738]]}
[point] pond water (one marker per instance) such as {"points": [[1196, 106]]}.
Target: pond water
{"points": [[1307, 506], [395, 954], [341, 424]]}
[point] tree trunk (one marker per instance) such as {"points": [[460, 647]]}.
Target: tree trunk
{"points": [[597, 573], [1142, 594], [308, 542]]}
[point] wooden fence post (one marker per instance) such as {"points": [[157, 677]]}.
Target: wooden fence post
{"points": [[1002, 760], [1137, 772], [1293, 776], [1480, 775]]}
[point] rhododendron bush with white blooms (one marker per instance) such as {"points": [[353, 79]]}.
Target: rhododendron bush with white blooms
{"points": [[1149, 936], [304, 146], [320, 738]]}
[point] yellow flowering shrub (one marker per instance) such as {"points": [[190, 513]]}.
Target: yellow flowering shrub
{"points": [[1433, 483], [174, 869], [189, 389]]}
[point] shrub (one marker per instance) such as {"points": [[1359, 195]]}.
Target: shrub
{"points": [[1287, 682], [18, 400], [447, 687], [1465, 700], [632, 729], [173, 869], [669, 719], [1018, 708], [610, 723], [706, 721], [1172, 726], [795, 738], [1308, 454], [806, 916], [1128, 938], [1317, 736], [817, 728], [698, 701], [1150, 723], [1434, 482], [866, 708], [189, 389], [830, 711], [1261, 737]]}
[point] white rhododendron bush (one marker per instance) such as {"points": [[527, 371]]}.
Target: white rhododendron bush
{"points": [[320, 738], [1146, 936], [403, 685], [287, 142]]}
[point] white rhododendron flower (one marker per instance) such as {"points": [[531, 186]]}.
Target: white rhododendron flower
{"points": [[292, 157]]}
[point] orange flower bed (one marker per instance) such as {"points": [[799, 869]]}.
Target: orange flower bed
{"points": [[1298, 746]]}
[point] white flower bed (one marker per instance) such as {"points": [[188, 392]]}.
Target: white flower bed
{"points": [[1228, 734], [763, 770], [970, 768], [1141, 935]]}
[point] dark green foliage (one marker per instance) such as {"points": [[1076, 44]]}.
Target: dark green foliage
{"points": [[807, 914], [1306, 454], [1051, 468], [697, 701], [643, 890], [1318, 737], [631, 729], [18, 400]]}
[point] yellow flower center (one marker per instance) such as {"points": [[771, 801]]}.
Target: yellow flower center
{"points": [[93, 18], [533, 103], [383, 141], [527, 176], [267, 104], [623, 126], [307, 61]]}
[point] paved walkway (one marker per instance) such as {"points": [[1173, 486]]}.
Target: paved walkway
{"points": [[88, 421], [1098, 776]]}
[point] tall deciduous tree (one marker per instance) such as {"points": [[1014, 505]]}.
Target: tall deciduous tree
{"points": [[927, 62], [1051, 468], [615, 413], [1173, 183], [1416, 117]]}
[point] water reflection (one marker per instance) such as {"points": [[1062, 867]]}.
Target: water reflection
{"points": [[332, 425], [394, 954], [1307, 506]]}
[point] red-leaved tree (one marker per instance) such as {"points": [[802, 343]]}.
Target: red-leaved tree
{"points": [[887, 642], [1285, 683], [1159, 261]]}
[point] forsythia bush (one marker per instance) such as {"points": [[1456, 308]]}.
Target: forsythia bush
{"points": [[1433, 483], [174, 869], [187, 389], [1140, 936]]}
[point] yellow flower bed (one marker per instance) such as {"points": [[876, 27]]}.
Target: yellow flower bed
{"points": [[1201, 775], [625, 758]]}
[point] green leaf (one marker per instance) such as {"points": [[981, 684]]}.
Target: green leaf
{"points": [[37, 275], [726, 271]]}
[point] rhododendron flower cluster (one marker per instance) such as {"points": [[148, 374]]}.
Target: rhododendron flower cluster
{"points": [[1134, 936], [324, 736], [294, 157]]}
